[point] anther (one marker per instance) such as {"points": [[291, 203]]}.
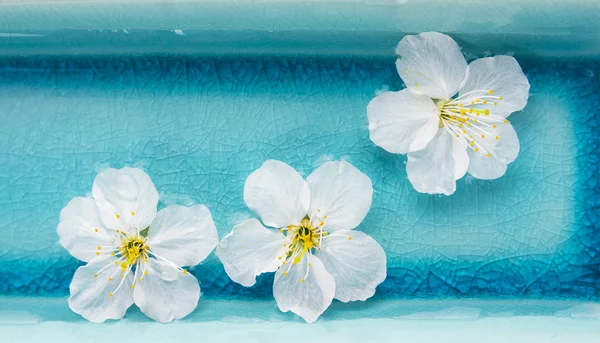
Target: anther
{"points": [[488, 155], [117, 215], [132, 285], [497, 137], [110, 279], [324, 217], [132, 213], [97, 253], [505, 121], [99, 247], [490, 92], [279, 257], [476, 149], [95, 275], [500, 98], [494, 126], [350, 238], [184, 271], [321, 224], [110, 295], [95, 230], [482, 136], [284, 273], [302, 279]]}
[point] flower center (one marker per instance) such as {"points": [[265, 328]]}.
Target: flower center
{"points": [[133, 249], [305, 236], [472, 118]]}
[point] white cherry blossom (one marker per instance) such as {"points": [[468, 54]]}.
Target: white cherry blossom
{"points": [[134, 254], [311, 245], [451, 118]]}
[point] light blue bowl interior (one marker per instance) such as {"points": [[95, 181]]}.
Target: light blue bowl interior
{"points": [[201, 94]]}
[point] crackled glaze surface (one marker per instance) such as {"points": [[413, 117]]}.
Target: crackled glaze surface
{"points": [[199, 126]]}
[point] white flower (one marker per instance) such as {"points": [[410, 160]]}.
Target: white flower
{"points": [[316, 254], [133, 253], [446, 136]]}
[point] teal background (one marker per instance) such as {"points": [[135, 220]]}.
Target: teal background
{"points": [[199, 94], [200, 125]]}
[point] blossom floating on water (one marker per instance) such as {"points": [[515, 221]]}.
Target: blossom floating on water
{"points": [[313, 249], [134, 254], [451, 118]]}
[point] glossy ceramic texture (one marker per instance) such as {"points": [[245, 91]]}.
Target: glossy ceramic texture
{"points": [[200, 125]]}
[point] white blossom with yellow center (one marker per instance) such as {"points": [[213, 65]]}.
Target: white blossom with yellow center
{"points": [[134, 254], [317, 255], [451, 118]]}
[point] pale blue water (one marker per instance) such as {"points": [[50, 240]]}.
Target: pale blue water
{"points": [[199, 125]]}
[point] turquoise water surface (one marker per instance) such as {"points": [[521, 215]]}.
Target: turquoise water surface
{"points": [[199, 125]]}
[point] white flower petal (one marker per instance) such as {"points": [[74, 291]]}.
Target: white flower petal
{"points": [[502, 151], [126, 198], [183, 235], [504, 77], [340, 195], [403, 121], [250, 250], [431, 63], [308, 298], [356, 262], [81, 229], [91, 289], [277, 193], [436, 168], [165, 293]]}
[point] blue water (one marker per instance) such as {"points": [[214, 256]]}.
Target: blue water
{"points": [[200, 125]]}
